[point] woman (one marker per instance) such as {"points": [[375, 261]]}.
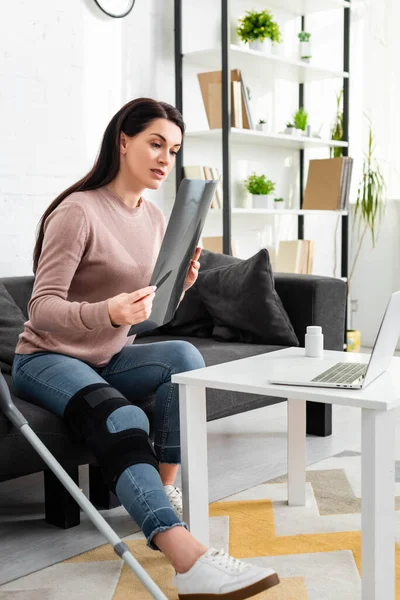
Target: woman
{"points": [[96, 248]]}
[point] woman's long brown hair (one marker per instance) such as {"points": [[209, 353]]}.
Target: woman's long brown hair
{"points": [[131, 119]]}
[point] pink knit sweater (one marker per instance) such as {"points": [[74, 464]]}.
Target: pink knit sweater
{"points": [[95, 247]]}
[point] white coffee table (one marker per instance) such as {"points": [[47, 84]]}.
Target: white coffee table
{"points": [[377, 424]]}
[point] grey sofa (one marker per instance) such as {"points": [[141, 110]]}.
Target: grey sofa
{"points": [[307, 299]]}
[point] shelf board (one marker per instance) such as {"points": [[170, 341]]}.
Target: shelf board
{"points": [[307, 7], [252, 136], [277, 211], [252, 60]]}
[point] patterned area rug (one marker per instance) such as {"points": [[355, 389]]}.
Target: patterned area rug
{"points": [[316, 549]]}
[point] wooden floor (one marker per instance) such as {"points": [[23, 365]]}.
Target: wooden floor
{"points": [[244, 450]]}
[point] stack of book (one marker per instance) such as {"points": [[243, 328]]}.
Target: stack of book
{"points": [[200, 172], [211, 91], [328, 184], [294, 256]]}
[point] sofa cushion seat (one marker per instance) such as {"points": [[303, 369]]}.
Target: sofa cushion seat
{"points": [[214, 352], [224, 403], [18, 456]]}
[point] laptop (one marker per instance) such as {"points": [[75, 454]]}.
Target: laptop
{"points": [[183, 232], [327, 373]]}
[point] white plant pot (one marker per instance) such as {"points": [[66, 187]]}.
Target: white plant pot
{"points": [[305, 51], [290, 130], [279, 205], [263, 201], [261, 126], [264, 46]]}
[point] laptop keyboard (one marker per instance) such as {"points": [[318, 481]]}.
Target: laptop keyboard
{"points": [[342, 373]]}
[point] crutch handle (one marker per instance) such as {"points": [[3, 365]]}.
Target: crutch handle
{"points": [[8, 407]]}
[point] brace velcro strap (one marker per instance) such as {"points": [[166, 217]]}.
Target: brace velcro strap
{"points": [[90, 408], [122, 450]]}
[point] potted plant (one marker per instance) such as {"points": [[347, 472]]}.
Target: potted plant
{"points": [[337, 127], [368, 213], [259, 30], [279, 203], [261, 125], [305, 46], [261, 189], [289, 128], [300, 119]]}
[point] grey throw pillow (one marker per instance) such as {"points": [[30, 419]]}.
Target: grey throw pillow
{"points": [[244, 305], [11, 325], [192, 317]]}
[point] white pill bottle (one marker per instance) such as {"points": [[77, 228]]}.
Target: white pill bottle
{"points": [[314, 342]]}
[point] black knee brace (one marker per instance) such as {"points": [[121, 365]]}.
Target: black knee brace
{"points": [[87, 413]]}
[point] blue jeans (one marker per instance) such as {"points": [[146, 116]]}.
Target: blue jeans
{"points": [[50, 380]]}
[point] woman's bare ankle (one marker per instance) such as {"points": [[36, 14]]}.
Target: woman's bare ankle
{"points": [[180, 547]]}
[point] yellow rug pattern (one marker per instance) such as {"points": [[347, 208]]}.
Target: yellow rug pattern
{"points": [[251, 534], [316, 549]]}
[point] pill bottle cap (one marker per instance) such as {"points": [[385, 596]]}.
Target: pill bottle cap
{"points": [[314, 330]]}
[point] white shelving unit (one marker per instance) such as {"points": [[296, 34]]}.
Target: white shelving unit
{"points": [[278, 71], [282, 140], [252, 62], [278, 211], [304, 7]]}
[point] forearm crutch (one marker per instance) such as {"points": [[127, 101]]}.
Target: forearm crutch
{"points": [[8, 407]]}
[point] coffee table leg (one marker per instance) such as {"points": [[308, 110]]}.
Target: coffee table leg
{"points": [[377, 505], [296, 452], [193, 421]]}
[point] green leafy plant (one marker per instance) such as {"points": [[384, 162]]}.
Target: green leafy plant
{"points": [[259, 185], [289, 124], [279, 200], [262, 121], [258, 26], [304, 36], [371, 201], [337, 127], [300, 119]]}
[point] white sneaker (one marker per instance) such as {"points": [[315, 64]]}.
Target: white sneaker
{"points": [[217, 575], [175, 498]]}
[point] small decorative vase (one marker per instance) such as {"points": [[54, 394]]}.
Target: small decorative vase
{"points": [[263, 201], [264, 46], [279, 205], [290, 130], [353, 340], [261, 127], [305, 51]]}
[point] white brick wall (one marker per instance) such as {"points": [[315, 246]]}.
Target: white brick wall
{"points": [[65, 69]]}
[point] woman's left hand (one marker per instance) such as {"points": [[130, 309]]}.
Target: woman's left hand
{"points": [[193, 270]]}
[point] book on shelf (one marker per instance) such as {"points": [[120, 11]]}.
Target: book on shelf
{"points": [[236, 105], [246, 103], [294, 256], [328, 184], [211, 91], [218, 194], [204, 172]]}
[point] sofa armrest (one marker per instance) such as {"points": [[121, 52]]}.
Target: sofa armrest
{"points": [[314, 300]]}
